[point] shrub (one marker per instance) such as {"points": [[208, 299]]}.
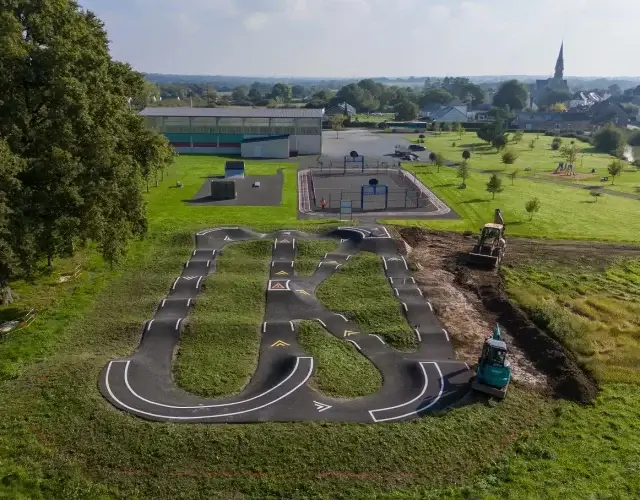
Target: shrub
{"points": [[499, 142], [634, 138], [555, 144], [609, 140], [466, 154], [509, 157]]}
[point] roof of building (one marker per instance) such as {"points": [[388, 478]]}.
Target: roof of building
{"points": [[342, 107], [235, 112], [446, 110], [265, 139], [553, 116]]}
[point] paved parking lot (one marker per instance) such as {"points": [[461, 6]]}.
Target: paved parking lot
{"points": [[371, 144]]}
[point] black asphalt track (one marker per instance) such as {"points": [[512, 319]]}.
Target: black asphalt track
{"points": [[268, 194], [414, 383]]}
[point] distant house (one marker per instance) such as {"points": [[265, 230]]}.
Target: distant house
{"points": [[428, 110], [341, 109], [450, 114], [553, 121], [609, 112], [479, 113]]}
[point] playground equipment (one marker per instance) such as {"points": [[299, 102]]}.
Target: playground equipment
{"points": [[493, 373], [566, 168], [234, 168], [373, 189], [490, 248]]}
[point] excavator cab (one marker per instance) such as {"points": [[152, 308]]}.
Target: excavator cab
{"points": [[488, 251], [493, 373]]}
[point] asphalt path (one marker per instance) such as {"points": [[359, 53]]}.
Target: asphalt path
{"points": [[414, 383]]}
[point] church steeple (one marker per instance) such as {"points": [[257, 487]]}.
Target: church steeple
{"points": [[559, 74]]}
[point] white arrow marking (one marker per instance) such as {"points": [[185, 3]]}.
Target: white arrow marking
{"points": [[226, 238], [189, 278], [321, 406]]}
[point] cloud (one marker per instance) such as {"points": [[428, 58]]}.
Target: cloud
{"points": [[255, 21]]}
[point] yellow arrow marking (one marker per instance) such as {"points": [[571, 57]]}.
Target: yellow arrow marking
{"points": [[279, 343], [282, 273], [348, 333], [303, 292]]}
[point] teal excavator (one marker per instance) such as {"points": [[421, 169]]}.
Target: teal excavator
{"points": [[494, 371]]}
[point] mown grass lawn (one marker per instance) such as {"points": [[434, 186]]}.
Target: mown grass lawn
{"points": [[60, 439], [565, 213], [542, 160]]}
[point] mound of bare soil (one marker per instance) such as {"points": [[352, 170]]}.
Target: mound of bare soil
{"points": [[469, 301]]}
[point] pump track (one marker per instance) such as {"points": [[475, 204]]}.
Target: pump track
{"points": [[429, 379]]}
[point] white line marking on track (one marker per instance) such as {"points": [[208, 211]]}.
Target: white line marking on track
{"points": [[163, 301], [198, 282], [430, 306], [405, 263], [420, 292], [446, 334], [275, 243], [207, 231], [189, 303], [319, 265], [418, 334], [149, 325], [264, 327], [384, 261], [293, 244], [378, 337], [349, 256], [424, 390], [406, 309], [187, 264], [357, 346], [194, 253], [174, 284], [321, 406], [391, 280], [338, 266], [342, 316], [126, 380], [325, 255], [466, 366], [292, 328], [396, 292], [178, 323], [208, 263], [321, 322]]}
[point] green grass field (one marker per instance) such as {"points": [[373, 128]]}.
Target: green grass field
{"points": [[542, 160], [60, 439], [565, 213]]}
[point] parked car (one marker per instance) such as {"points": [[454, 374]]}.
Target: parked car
{"points": [[417, 147]]}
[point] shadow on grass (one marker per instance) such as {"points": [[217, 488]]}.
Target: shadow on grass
{"points": [[477, 200], [449, 185], [11, 314]]}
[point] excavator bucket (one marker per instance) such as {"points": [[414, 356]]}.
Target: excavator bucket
{"points": [[482, 260]]}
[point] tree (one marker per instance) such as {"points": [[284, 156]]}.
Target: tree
{"points": [[240, 94], [511, 93], [494, 185], [337, 123], [10, 167], [615, 168], [406, 111], [553, 96], [439, 161], [432, 157], [556, 143], [81, 179], [463, 171], [532, 145], [459, 129], [558, 107], [436, 128], [499, 142], [281, 92], [489, 131], [532, 207], [466, 154], [596, 194], [435, 96], [509, 157], [298, 91], [609, 140], [517, 137], [512, 175], [569, 153], [421, 138]]}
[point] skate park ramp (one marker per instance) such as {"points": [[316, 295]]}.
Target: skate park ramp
{"points": [[252, 190]]}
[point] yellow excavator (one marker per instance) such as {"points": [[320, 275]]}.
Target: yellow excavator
{"points": [[491, 245]]}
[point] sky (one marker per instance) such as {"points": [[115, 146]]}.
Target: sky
{"points": [[360, 38]]}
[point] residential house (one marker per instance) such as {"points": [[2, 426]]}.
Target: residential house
{"points": [[609, 112], [428, 110], [479, 113], [553, 121], [340, 109], [450, 114]]}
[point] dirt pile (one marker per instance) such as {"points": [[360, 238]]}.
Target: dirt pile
{"points": [[470, 302]]}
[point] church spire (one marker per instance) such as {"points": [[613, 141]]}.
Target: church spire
{"points": [[559, 74]]}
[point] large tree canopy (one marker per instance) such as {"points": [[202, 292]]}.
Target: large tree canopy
{"points": [[65, 115], [511, 93]]}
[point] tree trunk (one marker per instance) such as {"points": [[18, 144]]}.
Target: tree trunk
{"points": [[49, 260], [6, 296]]}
